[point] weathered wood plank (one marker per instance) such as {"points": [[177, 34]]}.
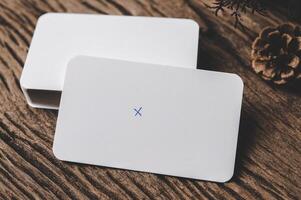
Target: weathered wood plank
{"points": [[269, 151]]}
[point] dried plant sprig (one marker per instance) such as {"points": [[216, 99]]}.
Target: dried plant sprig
{"points": [[237, 7]]}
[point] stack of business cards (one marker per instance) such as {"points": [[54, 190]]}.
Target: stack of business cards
{"points": [[59, 37], [130, 96]]}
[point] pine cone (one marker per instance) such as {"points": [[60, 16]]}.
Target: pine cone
{"points": [[276, 54]]}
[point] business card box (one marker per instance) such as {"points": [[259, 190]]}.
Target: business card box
{"points": [[59, 37]]}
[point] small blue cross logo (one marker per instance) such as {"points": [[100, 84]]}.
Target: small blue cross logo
{"points": [[138, 111]]}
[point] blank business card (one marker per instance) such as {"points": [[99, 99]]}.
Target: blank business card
{"points": [[150, 118]]}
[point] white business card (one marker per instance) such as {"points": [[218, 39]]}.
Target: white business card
{"points": [[150, 118]]}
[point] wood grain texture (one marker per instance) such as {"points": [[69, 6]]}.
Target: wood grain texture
{"points": [[269, 148]]}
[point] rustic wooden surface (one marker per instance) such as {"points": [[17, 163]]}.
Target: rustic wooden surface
{"points": [[269, 152]]}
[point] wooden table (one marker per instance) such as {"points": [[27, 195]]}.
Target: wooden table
{"points": [[269, 148]]}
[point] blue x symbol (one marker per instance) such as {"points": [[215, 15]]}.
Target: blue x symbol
{"points": [[138, 111]]}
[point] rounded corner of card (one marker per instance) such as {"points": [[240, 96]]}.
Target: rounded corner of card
{"points": [[194, 24], [239, 81], [56, 151]]}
